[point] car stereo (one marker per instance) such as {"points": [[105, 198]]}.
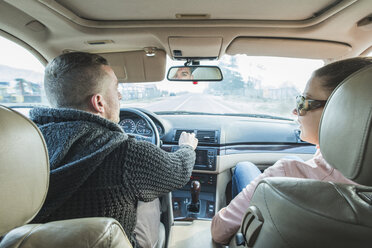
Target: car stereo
{"points": [[205, 158]]}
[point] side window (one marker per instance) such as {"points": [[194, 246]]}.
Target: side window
{"points": [[21, 77]]}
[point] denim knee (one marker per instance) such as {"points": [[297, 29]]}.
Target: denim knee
{"points": [[244, 173], [244, 166]]}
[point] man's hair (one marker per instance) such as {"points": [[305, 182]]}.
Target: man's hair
{"points": [[333, 74], [71, 78]]}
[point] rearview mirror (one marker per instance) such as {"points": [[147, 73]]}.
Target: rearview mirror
{"points": [[194, 73]]}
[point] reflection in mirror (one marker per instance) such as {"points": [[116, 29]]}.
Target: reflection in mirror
{"points": [[194, 73]]}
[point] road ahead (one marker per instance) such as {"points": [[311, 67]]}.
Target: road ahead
{"points": [[215, 104], [194, 103]]}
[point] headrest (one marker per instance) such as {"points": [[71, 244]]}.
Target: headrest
{"points": [[345, 133], [24, 170]]}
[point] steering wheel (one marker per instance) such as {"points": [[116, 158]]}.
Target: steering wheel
{"points": [[155, 138]]}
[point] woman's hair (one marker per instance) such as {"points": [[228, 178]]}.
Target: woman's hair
{"points": [[333, 74]]}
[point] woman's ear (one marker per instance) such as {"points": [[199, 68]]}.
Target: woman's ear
{"points": [[97, 103]]}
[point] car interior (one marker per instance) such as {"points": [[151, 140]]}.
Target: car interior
{"points": [[249, 60]]}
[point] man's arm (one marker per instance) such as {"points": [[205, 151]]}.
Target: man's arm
{"points": [[151, 172]]}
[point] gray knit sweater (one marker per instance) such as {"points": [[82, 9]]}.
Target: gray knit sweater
{"points": [[96, 170]]}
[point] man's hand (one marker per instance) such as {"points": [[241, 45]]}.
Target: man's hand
{"points": [[188, 139]]}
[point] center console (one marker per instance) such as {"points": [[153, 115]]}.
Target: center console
{"points": [[206, 200], [205, 158], [189, 202]]}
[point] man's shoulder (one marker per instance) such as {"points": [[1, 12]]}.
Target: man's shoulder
{"points": [[71, 117]]}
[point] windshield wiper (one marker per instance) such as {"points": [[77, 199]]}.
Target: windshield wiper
{"points": [[182, 113], [262, 116], [224, 114]]}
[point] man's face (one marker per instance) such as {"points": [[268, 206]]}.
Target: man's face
{"points": [[183, 73], [111, 95]]}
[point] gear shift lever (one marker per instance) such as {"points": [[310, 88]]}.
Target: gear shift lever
{"points": [[195, 191]]}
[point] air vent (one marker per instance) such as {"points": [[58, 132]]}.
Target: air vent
{"points": [[206, 136], [203, 136], [178, 133]]}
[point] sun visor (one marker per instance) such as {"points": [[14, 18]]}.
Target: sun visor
{"points": [[195, 47], [136, 66], [297, 48]]}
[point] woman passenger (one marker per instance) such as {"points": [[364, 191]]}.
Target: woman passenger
{"points": [[309, 110]]}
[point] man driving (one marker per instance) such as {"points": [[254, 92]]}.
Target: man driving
{"points": [[96, 170], [183, 73]]}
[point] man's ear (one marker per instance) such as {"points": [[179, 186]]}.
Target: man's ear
{"points": [[97, 103]]}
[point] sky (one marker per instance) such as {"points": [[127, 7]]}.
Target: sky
{"points": [[16, 56], [275, 72]]}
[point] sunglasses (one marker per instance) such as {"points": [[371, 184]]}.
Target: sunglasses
{"points": [[303, 105]]}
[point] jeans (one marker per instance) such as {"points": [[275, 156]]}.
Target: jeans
{"points": [[245, 172]]}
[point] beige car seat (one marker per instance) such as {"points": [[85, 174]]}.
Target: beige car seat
{"points": [[289, 212], [24, 179]]}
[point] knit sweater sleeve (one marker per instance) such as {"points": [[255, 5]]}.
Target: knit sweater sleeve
{"points": [[150, 172]]}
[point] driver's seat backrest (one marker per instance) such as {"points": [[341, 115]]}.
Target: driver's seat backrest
{"points": [[290, 212], [24, 180]]}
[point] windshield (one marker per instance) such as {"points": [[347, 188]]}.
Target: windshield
{"points": [[251, 85], [258, 86]]}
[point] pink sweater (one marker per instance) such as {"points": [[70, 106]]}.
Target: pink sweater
{"points": [[227, 221]]}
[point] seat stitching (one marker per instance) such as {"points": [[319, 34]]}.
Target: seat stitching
{"points": [[110, 240], [347, 201], [29, 234], [364, 141], [100, 237], [268, 209]]}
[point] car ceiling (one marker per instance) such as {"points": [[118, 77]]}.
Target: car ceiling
{"points": [[52, 27], [118, 10]]}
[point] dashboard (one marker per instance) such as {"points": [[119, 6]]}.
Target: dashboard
{"points": [[221, 135], [222, 142], [132, 124]]}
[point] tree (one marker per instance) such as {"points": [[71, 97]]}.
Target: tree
{"points": [[232, 83]]}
